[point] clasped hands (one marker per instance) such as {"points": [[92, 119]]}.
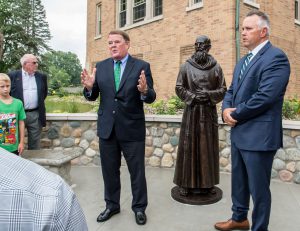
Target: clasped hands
{"points": [[228, 118], [88, 81], [201, 97]]}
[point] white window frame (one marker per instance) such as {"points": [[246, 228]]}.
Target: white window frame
{"points": [[297, 20], [252, 3], [98, 28], [193, 4], [149, 17]]}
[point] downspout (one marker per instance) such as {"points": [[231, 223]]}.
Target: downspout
{"points": [[237, 30]]}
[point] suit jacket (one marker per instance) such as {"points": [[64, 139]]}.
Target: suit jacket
{"points": [[122, 109], [42, 89], [258, 99]]}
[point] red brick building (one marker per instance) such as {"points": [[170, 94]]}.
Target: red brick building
{"points": [[163, 32]]}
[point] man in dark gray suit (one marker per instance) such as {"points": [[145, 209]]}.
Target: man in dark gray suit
{"points": [[253, 108], [30, 86], [124, 84]]}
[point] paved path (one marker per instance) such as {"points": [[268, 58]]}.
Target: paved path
{"points": [[165, 214]]}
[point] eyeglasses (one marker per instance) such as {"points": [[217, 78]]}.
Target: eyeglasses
{"points": [[35, 63]]}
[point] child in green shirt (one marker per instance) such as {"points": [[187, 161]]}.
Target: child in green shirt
{"points": [[12, 116]]}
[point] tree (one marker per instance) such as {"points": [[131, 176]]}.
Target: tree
{"points": [[24, 29], [67, 62], [57, 78]]}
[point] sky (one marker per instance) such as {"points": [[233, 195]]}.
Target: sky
{"points": [[67, 24]]}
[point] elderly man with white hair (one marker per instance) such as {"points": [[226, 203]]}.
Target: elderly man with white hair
{"points": [[30, 86]]}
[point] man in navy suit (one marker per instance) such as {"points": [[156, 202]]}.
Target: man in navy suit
{"points": [[30, 86], [252, 107], [121, 121]]}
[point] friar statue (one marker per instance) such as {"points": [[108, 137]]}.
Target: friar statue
{"points": [[200, 85]]}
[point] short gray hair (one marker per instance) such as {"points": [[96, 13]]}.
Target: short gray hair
{"points": [[264, 19]]}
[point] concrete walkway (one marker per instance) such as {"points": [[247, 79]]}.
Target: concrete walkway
{"points": [[165, 214]]}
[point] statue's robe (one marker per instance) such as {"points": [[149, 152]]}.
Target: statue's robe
{"points": [[197, 164]]}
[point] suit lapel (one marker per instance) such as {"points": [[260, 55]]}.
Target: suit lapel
{"points": [[128, 68], [38, 80], [253, 61], [19, 85], [110, 73]]}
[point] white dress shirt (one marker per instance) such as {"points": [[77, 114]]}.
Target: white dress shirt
{"points": [[30, 93]]}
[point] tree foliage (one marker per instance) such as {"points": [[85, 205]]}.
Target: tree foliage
{"points": [[63, 69], [24, 29]]}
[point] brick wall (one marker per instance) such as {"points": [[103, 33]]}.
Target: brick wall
{"points": [[166, 43]]}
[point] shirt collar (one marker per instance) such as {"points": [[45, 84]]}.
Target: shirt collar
{"points": [[258, 48], [25, 73], [124, 60]]}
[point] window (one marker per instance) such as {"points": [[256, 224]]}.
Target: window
{"points": [[157, 7], [139, 10], [133, 13], [194, 4], [123, 8], [297, 9], [98, 20]]}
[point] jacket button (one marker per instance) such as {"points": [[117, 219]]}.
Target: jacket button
{"points": [[116, 100], [114, 112]]}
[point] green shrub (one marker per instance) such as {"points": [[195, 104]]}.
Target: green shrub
{"points": [[291, 109], [172, 106]]}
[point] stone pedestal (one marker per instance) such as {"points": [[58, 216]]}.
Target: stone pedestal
{"points": [[197, 198]]}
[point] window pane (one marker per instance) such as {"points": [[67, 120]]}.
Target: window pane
{"points": [[123, 7], [157, 7], [122, 19], [297, 10], [139, 10], [197, 1], [139, 2], [98, 20]]}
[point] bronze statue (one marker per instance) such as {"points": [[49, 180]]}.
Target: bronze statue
{"points": [[201, 85]]}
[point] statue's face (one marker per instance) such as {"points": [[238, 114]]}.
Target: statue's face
{"points": [[202, 43]]}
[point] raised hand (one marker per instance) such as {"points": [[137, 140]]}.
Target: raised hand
{"points": [[87, 80], [142, 86]]}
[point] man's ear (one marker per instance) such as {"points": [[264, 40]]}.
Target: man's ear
{"points": [[264, 32]]}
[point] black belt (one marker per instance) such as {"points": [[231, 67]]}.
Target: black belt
{"points": [[30, 110]]}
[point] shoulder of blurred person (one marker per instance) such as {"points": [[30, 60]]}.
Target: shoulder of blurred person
{"points": [[33, 198]]}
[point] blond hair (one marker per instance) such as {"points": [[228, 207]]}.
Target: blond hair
{"points": [[4, 77]]}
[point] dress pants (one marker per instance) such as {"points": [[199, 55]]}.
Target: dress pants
{"points": [[134, 154], [34, 129], [251, 174]]}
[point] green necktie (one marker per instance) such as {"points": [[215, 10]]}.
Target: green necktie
{"points": [[117, 74]]}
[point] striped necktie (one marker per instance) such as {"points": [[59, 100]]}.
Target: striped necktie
{"points": [[117, 74], [245, 64]]}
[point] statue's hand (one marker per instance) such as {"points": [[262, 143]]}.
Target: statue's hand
{"points": [[201, 97]]}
